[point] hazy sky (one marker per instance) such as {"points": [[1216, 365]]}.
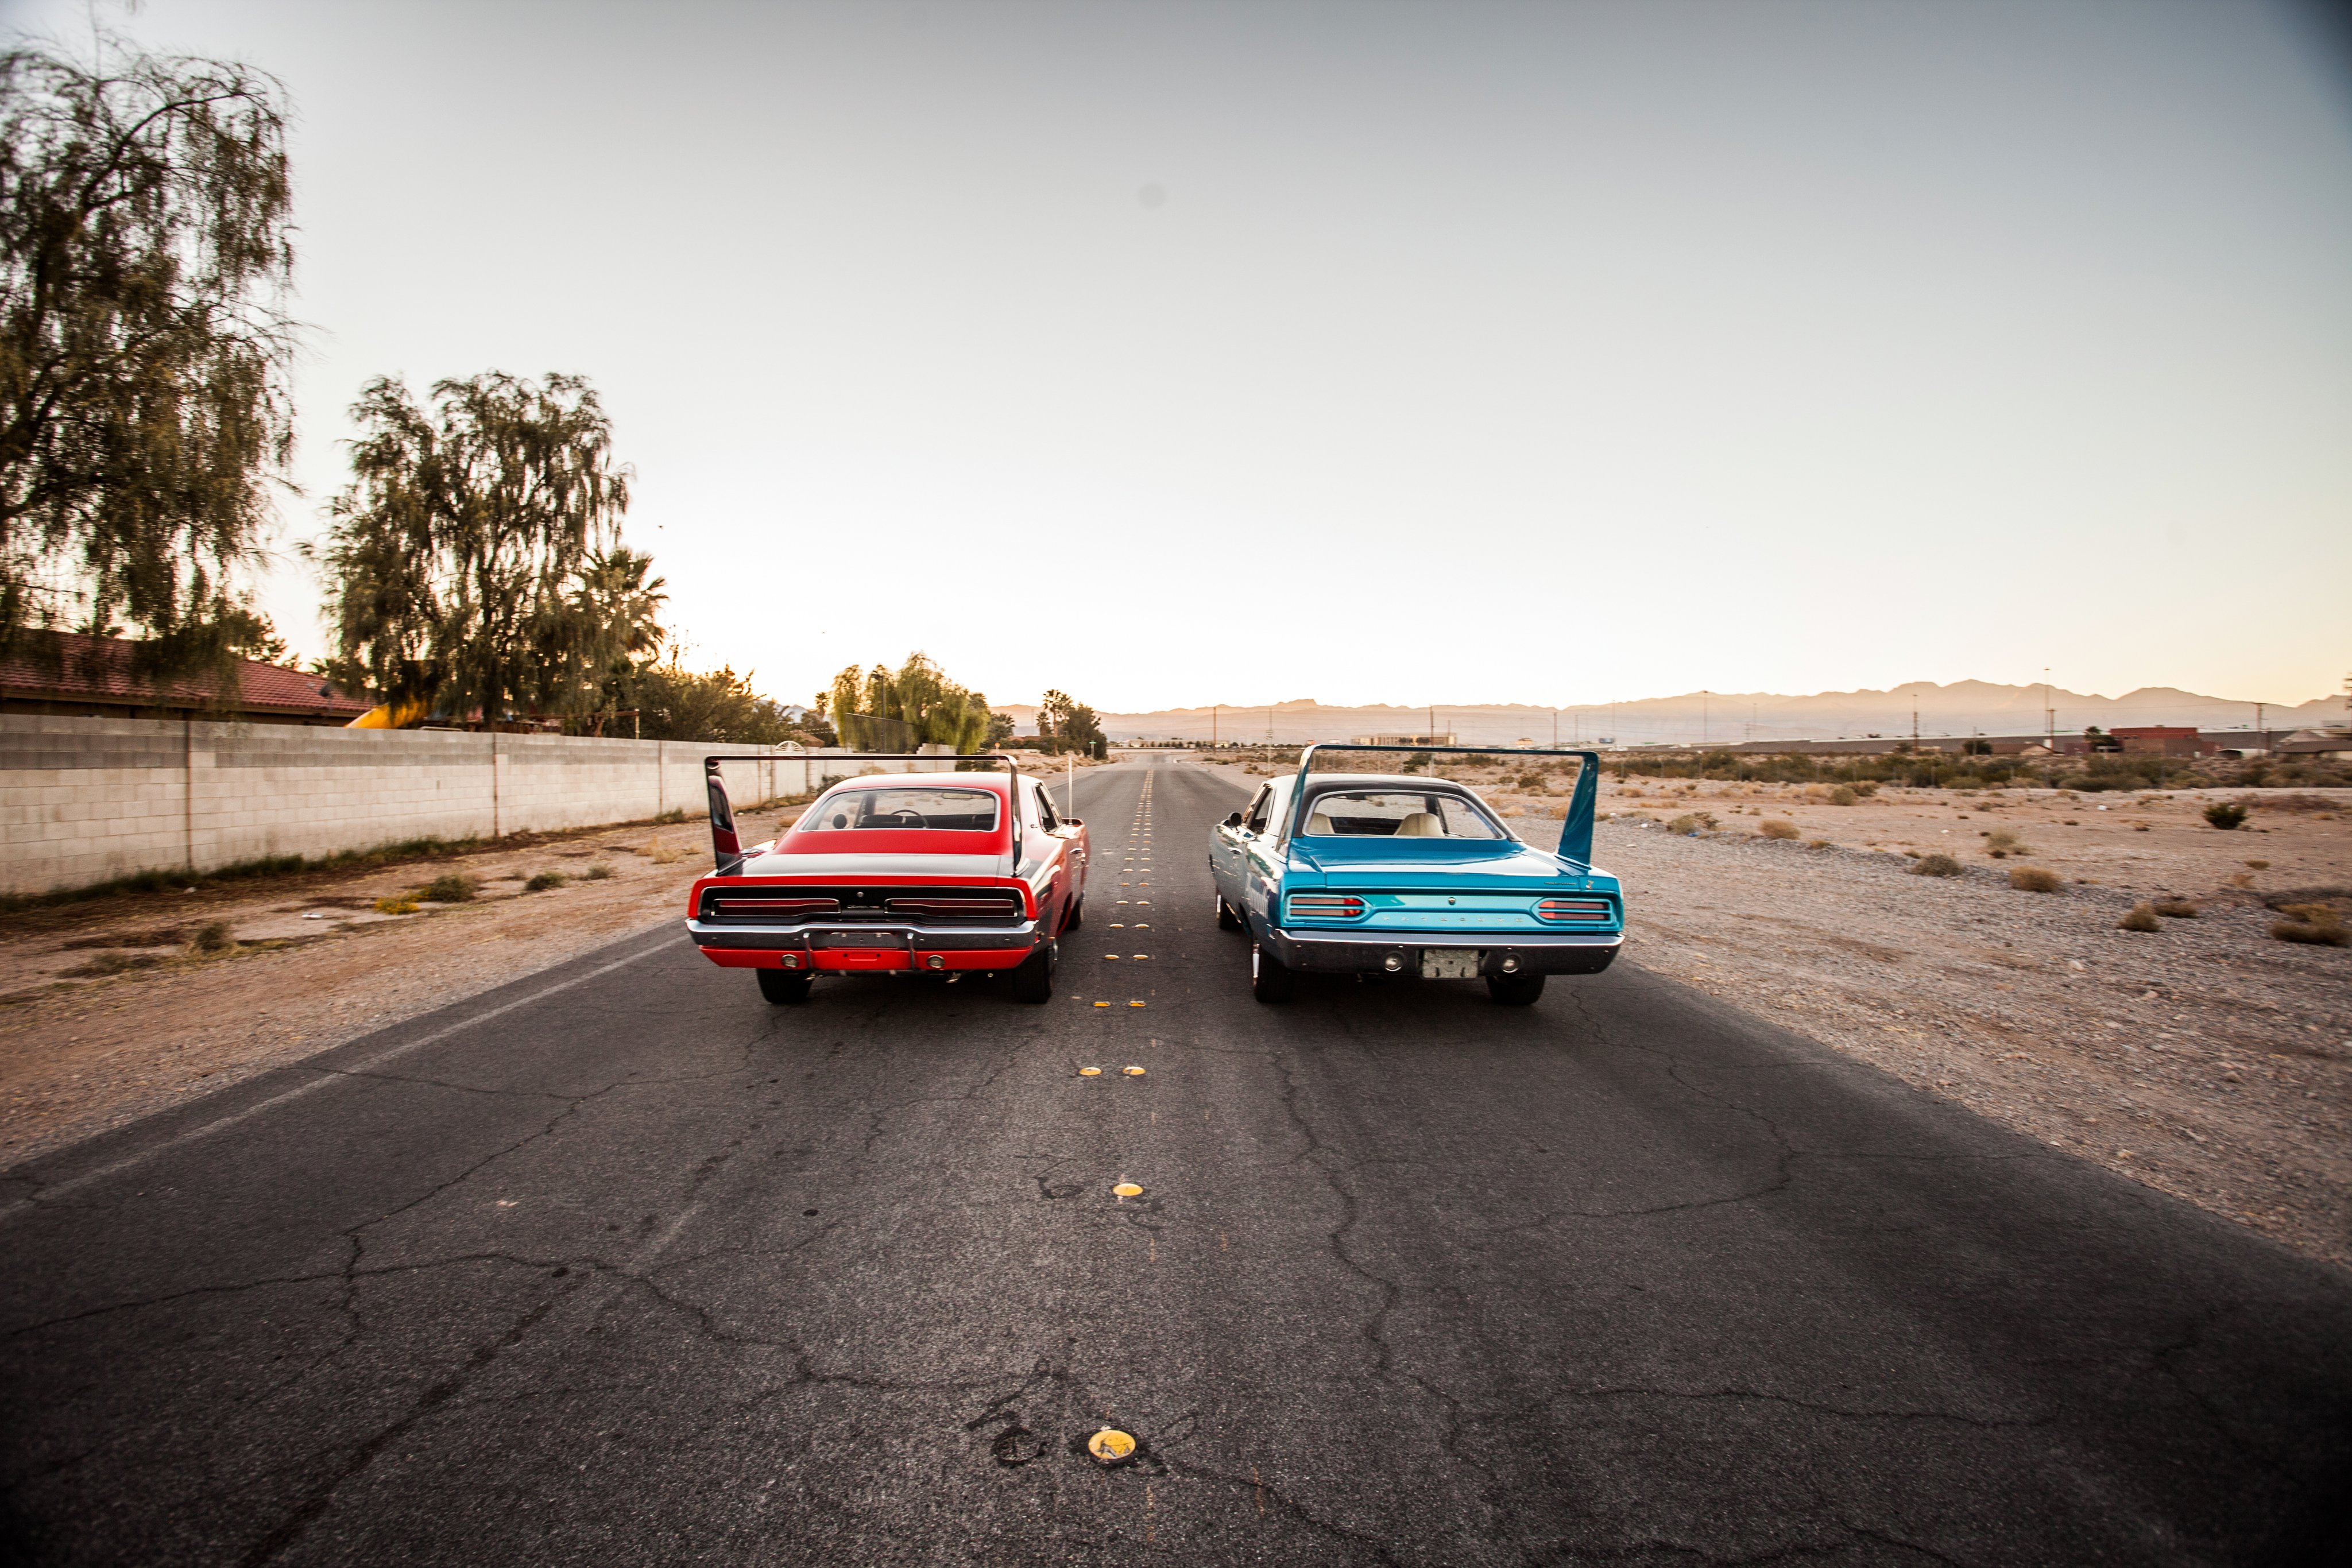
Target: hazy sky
{"points": [[1190, 352]]}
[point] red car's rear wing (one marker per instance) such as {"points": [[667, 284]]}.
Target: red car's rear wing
{"points": [[727, 850], [1575, 831]]}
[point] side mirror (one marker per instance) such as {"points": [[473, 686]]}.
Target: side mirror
{"points": [[1233, 821]]}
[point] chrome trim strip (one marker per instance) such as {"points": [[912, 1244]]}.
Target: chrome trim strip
{"points": [[1460, 938]]}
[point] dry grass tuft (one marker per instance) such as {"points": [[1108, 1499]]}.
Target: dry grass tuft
{"points": [[2316, 924], [2175, 908], [395, 905], [2033, 879], [2225, 814], [1937, 865], [452, 887], [2002, 842], [545, 881], [2141, 918], [1774, 828], [664, 855], [212, 937], [599, 871]]}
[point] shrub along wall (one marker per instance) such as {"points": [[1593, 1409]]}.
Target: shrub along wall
{"points": [[86, 801]]}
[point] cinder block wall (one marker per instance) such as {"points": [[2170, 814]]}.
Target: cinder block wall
{"points": [[86, 800]]}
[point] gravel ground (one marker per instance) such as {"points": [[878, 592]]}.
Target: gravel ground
{"points": [[2205, 1059]]}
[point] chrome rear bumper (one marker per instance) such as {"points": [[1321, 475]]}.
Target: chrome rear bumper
{"points": [[1529, 952], [903, 934]]}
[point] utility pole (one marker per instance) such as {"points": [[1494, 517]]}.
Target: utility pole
{"points": [[1212, 726], [1555, 729], [1702, 717], [2262, 735], [2049, 714], [1914, 718]]}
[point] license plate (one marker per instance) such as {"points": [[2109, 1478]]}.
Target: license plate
{"points": [[1450, 963], [861, 939]]}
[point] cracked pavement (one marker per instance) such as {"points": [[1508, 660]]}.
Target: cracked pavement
{"points": [[644, 1269]]}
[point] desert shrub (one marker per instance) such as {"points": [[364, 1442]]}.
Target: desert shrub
{"points": [[212, 937], [2291, 802], [545, 881], [2258, 866], [1937, 865], [2002, 842], [114, 964], [599, 871], [2225, 814], [1844, 795], [2316, 924], [396, 905], [2141, 918], [1530, 780], [1692, 822], [2033, 879], [450, 887], [2175, 908], [1774, 828], [1817, 843]]}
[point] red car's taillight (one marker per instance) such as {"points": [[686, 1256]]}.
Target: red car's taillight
{"points": [[1577, 910]]}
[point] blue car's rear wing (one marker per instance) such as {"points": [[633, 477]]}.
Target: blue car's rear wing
{"points": [[727, 849], [1575, 834]]}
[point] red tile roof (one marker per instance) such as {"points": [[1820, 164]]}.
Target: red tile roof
{"points": [[98, 669]]}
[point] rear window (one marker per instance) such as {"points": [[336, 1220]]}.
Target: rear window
{"points": [[947, 811], [1396, 813]]}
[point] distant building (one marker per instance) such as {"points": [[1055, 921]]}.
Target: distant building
{"points": [[2310, 743], [2159, 740], [93, 679], [1403, 740]]}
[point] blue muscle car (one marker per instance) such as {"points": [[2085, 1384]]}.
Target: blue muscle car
{"points": [[1371, 873]]}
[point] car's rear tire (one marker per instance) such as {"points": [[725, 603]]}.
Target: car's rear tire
{"points": [[1033, 980], [1077, 913], [1227, 919], [1270, 980], [1515, 991], [784, 987]]}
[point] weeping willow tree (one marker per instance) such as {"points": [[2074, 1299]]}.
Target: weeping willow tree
{"points": [[144, 411], [882, 709], [474, 564]]}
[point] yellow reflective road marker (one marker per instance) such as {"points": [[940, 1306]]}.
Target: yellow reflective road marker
{"points": [[1110, 956], [1090, 1072], [1135, 1004], [1135, 1072], [1128, 1189], [1102, 1003], [1143, 955], [1110, 1445]]}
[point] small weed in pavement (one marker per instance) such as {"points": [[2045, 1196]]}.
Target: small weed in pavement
{"points": [[455, 887], [545, 881]]}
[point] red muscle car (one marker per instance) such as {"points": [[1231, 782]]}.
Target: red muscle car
{"points": [[895, 873]]}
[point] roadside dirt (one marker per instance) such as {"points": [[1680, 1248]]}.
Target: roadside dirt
{"points": [[315, 965], [2205, 1059]]}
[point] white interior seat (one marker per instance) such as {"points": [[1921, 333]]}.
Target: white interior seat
{"points": [[1320, 823], [1421, 825]]}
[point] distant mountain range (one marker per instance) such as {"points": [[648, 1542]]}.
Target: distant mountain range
{"points": [[1964, 707]]}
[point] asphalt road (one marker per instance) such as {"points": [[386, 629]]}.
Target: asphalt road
{"points": [[620, 1264]]}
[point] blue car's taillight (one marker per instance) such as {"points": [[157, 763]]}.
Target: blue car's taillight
{"points": [[1325, 906], [1573, 911]]}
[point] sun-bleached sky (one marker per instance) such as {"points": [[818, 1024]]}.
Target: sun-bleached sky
{"points": [[1173, 353]]}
